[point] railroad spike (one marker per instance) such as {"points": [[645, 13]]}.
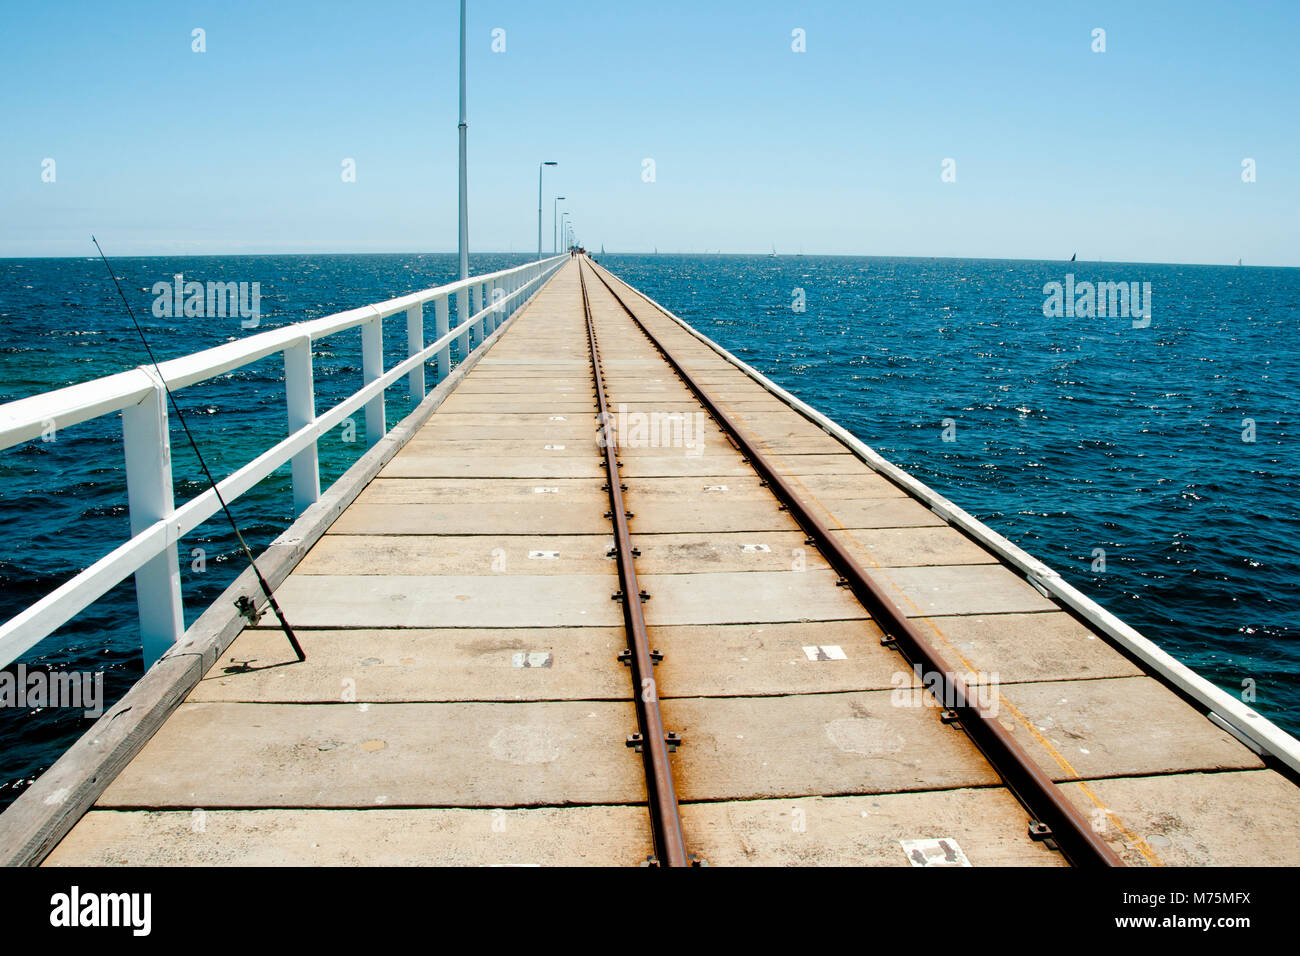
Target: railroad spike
{"points": [[949, 716]]}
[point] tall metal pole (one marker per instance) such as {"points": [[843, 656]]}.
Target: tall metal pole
{"points": [[540, 166], [555, 227], [462, 299]]}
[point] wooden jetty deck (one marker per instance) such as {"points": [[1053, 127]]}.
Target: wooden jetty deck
{"points": [[462, 701]]}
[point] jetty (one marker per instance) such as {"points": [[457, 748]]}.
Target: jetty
{"points": [[609, 596]]}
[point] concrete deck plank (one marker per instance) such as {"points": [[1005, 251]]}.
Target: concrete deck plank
{"points": [[1245, 818], [962, 589], [421, 665], [820, 744], [415, 465], [505, 553], [549, 836], [486, 600], [214, 755], [758, 660], [1047, 646], [747, 597], [1115, 727], [987, 825]]}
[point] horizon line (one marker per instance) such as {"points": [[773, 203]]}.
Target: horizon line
{"points": [[652, 253]]}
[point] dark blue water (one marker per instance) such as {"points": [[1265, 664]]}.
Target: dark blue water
{"points": [[1072, 434]]}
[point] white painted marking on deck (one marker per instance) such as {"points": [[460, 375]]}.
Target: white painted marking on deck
{"points": [[544, 555], [825, 652], [716, 488], [555, 448], [943, 852], [752, 548], [531, 659], [558, 418], [546, 491]]}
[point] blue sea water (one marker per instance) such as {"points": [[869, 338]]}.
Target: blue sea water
{"points": [[1072, 434]]}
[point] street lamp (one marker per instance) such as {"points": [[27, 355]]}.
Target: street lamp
{"points": [[555, 227], [563, 233], [539, 204]]}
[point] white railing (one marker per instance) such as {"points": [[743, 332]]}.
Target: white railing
{"points": [[156, 524]]}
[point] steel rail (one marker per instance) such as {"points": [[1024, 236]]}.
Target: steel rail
{"points": [[1054, 817], [653, 743]]}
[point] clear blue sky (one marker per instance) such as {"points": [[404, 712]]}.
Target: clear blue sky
{"points": [[1132, 154]]}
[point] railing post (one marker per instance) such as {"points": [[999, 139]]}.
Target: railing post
{"points": [[300, 396], [476, 296], [462, 341], [440, 328], [372, 366], [414, 343], [147, 445]]}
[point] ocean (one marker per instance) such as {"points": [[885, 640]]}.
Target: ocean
{"points": [[1144, 458]]}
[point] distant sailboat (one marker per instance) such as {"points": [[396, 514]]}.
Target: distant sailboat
{"points": [[1072, 257], [1238, 262], [602, 248], [772, 254]]}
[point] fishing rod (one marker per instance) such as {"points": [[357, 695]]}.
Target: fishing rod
{"points": [[246, 607]]}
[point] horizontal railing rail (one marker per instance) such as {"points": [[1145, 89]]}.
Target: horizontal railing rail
{"points": [[157, 524]]}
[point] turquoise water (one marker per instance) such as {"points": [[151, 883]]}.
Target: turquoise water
{"points": [[1072, 434]]}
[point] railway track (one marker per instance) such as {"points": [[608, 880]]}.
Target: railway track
{"points": [[652, 741], [1053, 819]]}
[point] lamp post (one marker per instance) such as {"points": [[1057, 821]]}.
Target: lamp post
{"points": [[555, 227], [540, 166], [563, 219], [464, 178]]}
